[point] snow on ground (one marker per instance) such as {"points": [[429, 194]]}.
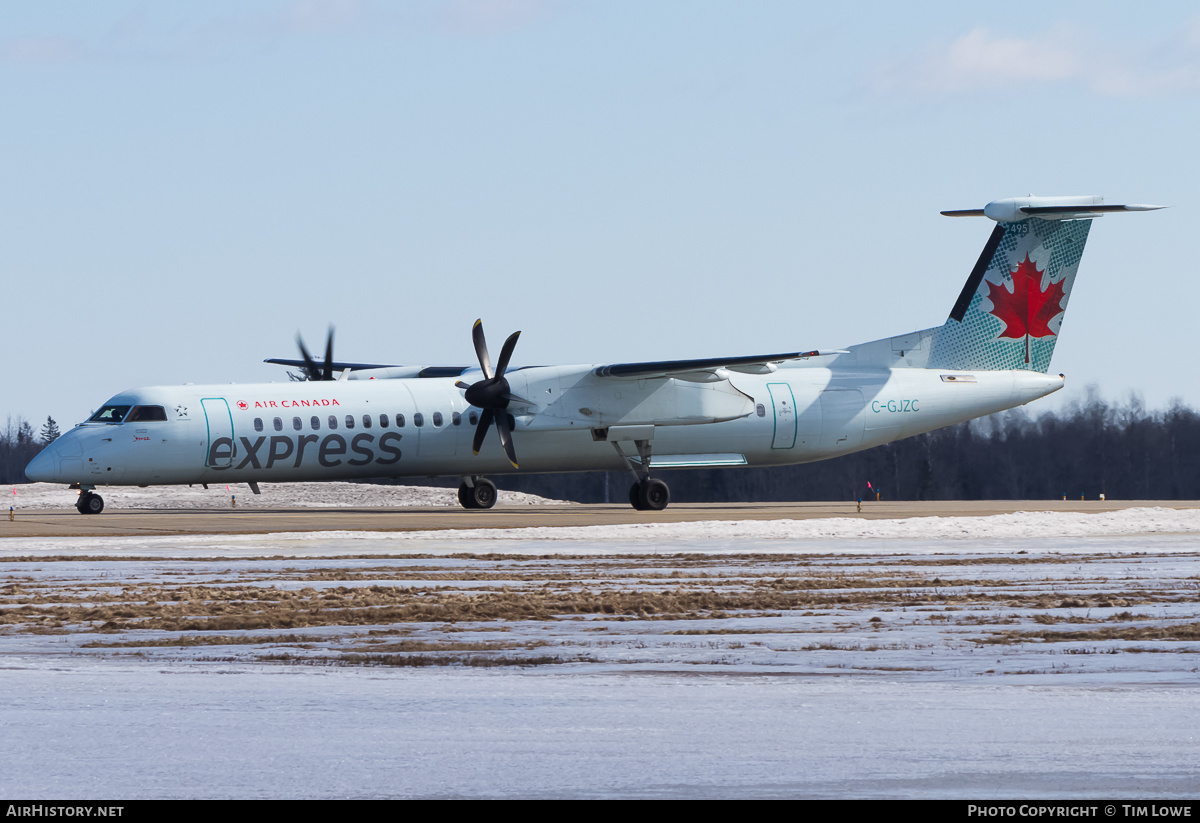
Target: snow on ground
{"points": [[995, 527], [274, 495], [1034, 655], [88, 729], [845, 535]]}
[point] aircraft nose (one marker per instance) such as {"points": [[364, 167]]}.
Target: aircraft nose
{"points": [[44, 467]]}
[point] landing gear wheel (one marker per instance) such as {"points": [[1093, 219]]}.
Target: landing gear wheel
{"points": [[650, 495], [484, 493], [90, 503], [481, 496], [654, 495]]}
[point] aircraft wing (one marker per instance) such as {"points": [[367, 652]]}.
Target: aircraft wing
{"points": [[381, 370], [338, 366], [751, 364]]}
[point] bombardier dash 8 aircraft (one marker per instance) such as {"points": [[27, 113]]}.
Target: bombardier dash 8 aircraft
{"points": [[373, 420]]}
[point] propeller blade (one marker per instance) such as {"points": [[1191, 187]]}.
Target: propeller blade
{"points": [[485, 421], [328, 373], [506, 353], [491, 394], [311, 371], [481, 350], [506, 438], [516, 398]]}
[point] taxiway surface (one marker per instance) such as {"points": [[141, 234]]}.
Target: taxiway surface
{"points": [[66, 522]]}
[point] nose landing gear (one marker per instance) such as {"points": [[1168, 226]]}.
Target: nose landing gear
{"points": [[477, 493]]}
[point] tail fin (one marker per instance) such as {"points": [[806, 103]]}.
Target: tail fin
{"points": [[1010, 311]]}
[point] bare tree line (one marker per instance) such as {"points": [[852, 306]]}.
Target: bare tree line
{"points": [[1090, 448], [18, 445]]}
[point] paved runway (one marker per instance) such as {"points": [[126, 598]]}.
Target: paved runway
{"points": [[67, 522]]}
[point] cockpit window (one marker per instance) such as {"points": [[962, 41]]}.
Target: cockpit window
{"points": [[141, 414], [110, 414]]}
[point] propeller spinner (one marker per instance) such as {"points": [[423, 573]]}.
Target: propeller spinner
{"points": [[492, 394]]}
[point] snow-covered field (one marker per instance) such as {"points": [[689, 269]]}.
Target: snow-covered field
{"points": [[1026, 655], [273, 495]]}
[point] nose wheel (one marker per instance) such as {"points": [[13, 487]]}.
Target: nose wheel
{"points": [[477, 493], [90, 503]]}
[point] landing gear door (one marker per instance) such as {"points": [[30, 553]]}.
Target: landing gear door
{"points": [[219, 454], [784, 403]]}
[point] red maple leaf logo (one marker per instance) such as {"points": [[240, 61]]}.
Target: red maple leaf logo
{"points": [[1027, 310], [243, 405]]}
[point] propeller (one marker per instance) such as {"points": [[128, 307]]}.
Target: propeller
{"points": [[312, 371], [492, 394]]}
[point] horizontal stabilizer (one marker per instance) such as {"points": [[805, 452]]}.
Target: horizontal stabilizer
{"points": [[1016, 209]]}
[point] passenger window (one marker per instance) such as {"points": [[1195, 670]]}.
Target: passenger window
{"points": [[366, 421], [437, 418], [456, 418], [332, 422], [349, 421], [472, 418], [399, 421], [258, 426], [278, 424], [761, 409], [383, 421], [418, 420], [315, 423], [297, 423]]}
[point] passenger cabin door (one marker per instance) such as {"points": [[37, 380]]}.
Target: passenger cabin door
{"points": [[784, 403], [219, 454]]}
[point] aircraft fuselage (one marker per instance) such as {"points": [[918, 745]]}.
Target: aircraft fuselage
{"points": [[347, 429]]}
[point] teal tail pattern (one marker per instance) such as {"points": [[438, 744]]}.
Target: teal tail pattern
{"points": [[1010, 311]]}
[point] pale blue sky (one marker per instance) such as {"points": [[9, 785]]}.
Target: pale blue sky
{"points": [[184, 185]]}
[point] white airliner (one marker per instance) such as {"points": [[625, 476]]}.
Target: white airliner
{"points": [[763, 410]]}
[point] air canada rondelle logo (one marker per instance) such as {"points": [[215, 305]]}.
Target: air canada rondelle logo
{"points": [[242, 404]]}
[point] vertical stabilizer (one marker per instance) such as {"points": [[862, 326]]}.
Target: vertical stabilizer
{"points": [[1010, 311]]}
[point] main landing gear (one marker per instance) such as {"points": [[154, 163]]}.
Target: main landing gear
{"points": [[647, 494], [89, 503], [477, 493]]}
